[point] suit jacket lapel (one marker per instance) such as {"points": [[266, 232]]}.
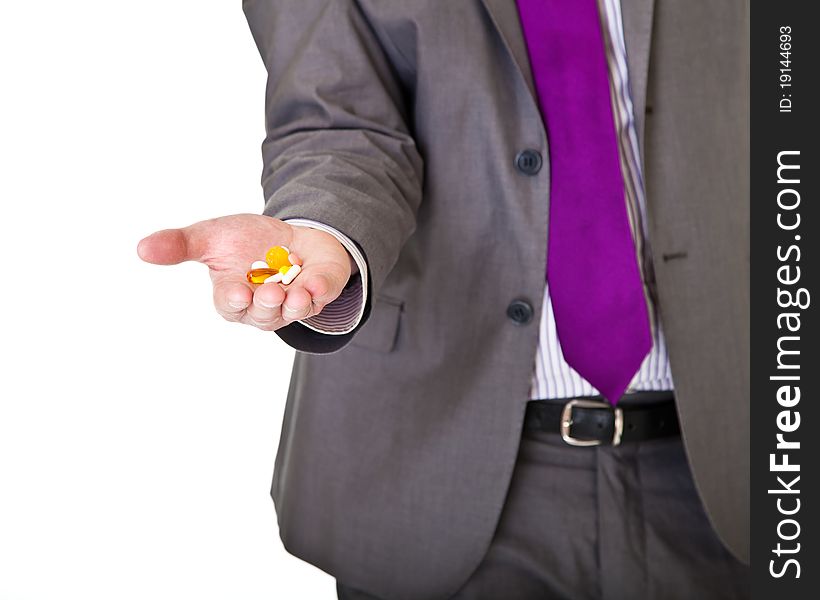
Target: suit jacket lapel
{"points": [[637, 20], [504, 15]]}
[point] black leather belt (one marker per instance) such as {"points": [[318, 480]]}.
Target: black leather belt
{"points": [[592, 421]]}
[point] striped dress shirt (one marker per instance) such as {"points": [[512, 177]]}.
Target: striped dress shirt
{"points": [[552, 377]]}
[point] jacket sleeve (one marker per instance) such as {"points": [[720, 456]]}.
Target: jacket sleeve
{"points": [[338, 148]]}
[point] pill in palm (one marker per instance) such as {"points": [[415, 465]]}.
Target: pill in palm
{"points": [[260, 275], [291, 274], [280, 265], [277, 257]]}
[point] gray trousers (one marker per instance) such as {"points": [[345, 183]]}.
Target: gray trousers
{"points": [[606, 523]]}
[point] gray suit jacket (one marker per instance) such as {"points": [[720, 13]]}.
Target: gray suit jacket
{"points": [[397, 122]]}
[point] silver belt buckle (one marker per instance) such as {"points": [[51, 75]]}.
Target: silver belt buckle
{"points": [[566, 422]]}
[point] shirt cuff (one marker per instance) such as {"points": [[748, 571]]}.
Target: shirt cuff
{"points": [[343, 314]]}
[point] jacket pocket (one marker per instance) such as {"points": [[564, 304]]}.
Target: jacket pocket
{"points": [[382, 327]]}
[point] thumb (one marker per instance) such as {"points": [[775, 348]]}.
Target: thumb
{"points": [[169, 247]]}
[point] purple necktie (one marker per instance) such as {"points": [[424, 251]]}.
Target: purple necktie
{"points": [[601, 315]]}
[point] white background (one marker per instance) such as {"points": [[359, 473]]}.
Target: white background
{"points": [[137, 429]]}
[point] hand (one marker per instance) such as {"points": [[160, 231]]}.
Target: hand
{"points": [[228, 246]]}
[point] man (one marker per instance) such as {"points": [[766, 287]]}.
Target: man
{"points": [[504, 207]]}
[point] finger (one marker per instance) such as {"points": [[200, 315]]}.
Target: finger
{"points": [[321, 286], [266, 307], [166, 247], [173, 246], [297, 304], [232, 296]]}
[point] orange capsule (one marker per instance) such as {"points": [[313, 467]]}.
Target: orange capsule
{"points": [[260, 275]]}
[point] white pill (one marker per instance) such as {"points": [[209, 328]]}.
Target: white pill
{"points": [[285, 248], [259, 264], [291, 274], [275, 278]]}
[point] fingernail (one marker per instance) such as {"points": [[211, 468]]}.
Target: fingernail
{"points": [[237, 304], [265, 303], [292, 311]]}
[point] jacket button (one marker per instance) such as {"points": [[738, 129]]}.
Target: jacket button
{"points": [[528, 162], [520, 312]]}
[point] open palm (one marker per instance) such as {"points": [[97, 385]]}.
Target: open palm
{"points": [[228, 245]]}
